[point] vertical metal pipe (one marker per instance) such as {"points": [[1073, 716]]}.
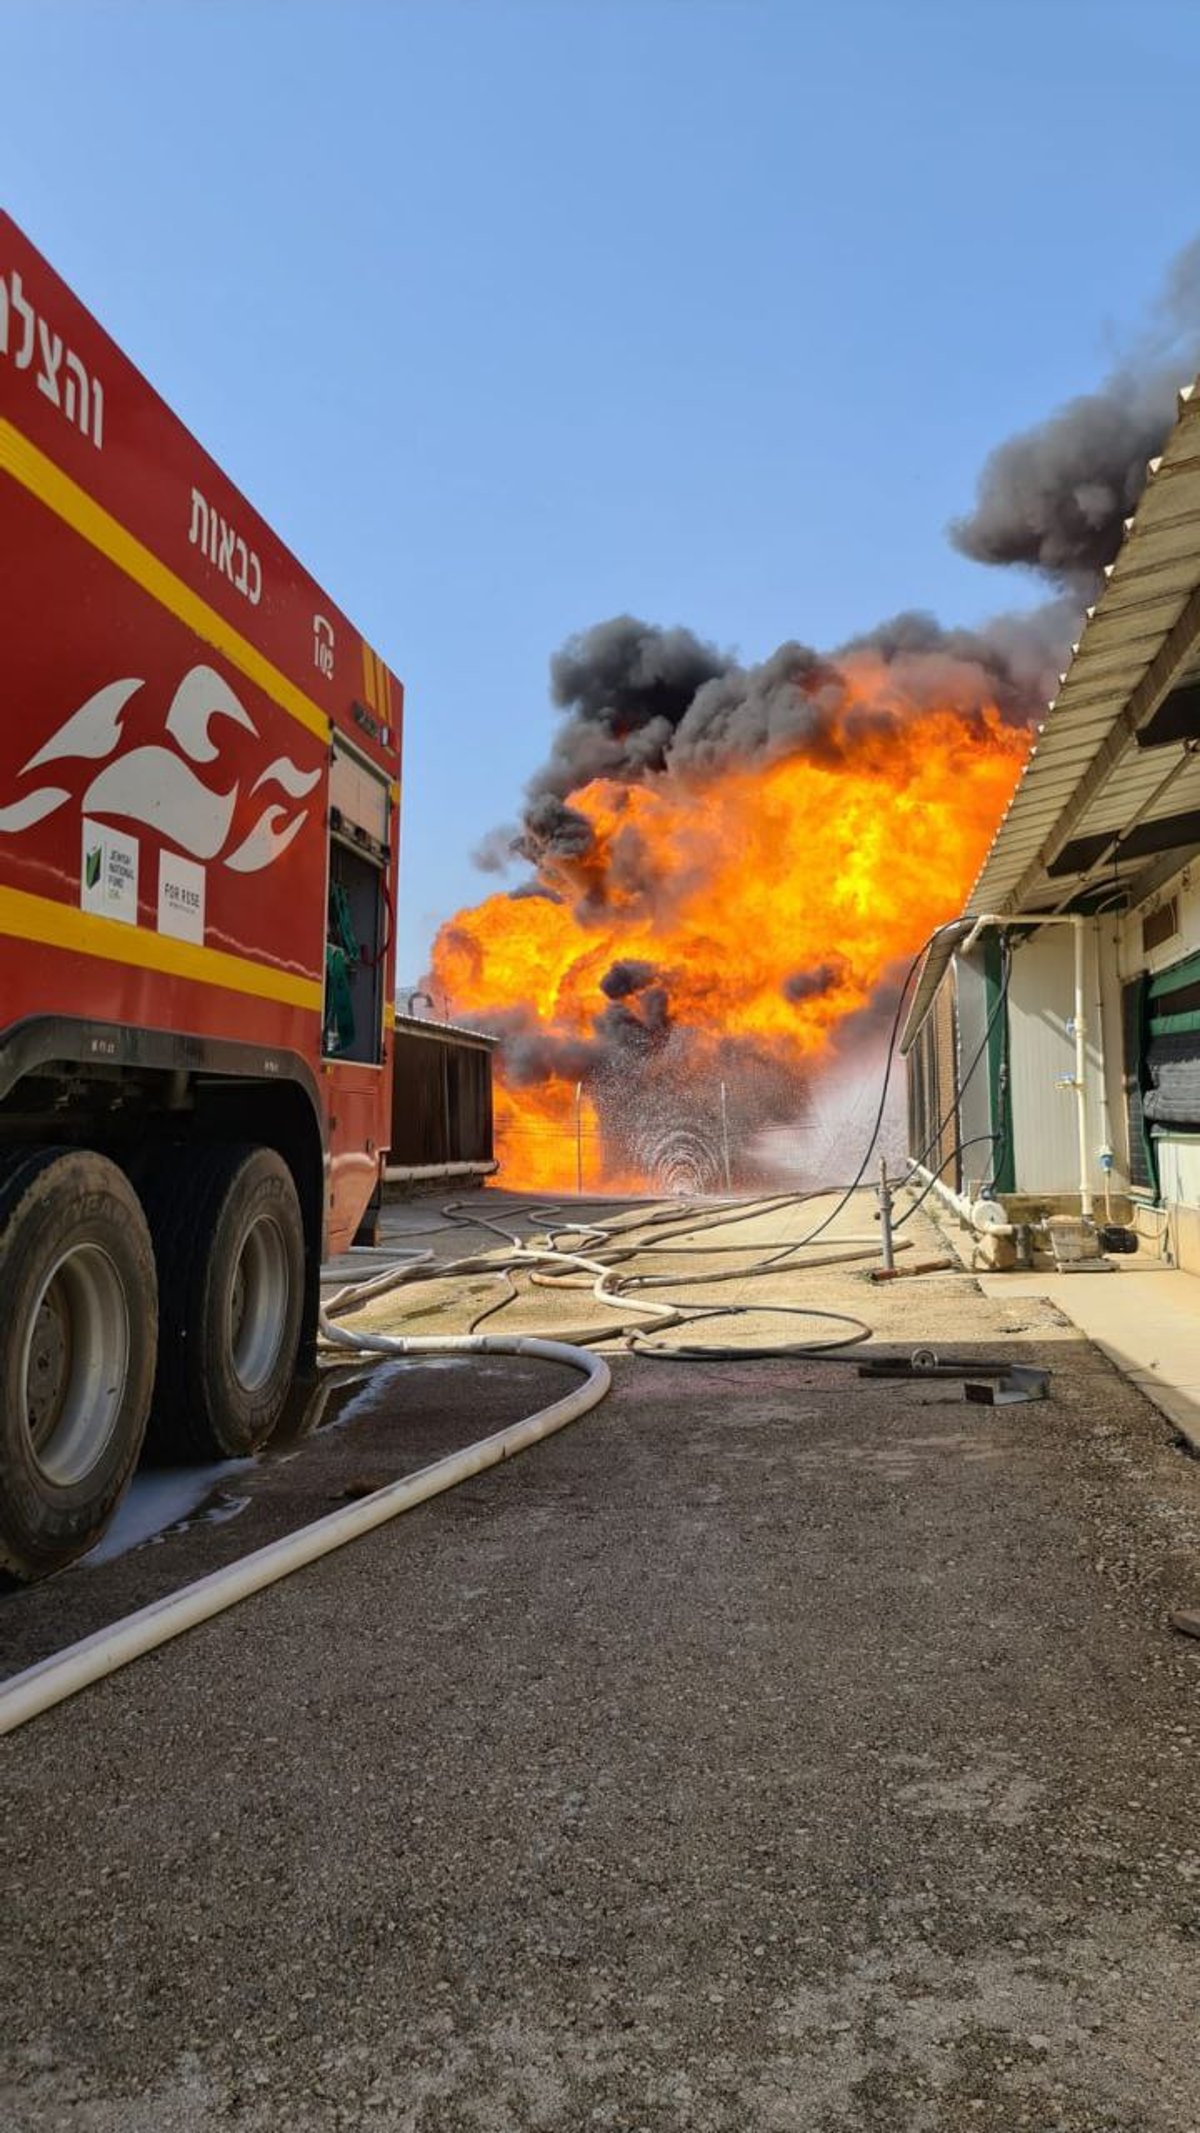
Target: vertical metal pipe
{"points": [[725, 1140], [579, 1137], [1106, 1149], [885, 1218], [1085, 1188]]}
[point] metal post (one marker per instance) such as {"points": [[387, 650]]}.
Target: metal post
{"points": [[579, 1137], [725, 1140], [885, 1218]]}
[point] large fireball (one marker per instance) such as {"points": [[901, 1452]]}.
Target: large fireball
{"points": [[713, 936]]}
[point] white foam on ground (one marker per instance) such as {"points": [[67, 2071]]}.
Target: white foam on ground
{"points": [[159, 1497]]}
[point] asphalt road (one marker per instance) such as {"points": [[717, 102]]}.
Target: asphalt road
{"points": [[769, 1750]]}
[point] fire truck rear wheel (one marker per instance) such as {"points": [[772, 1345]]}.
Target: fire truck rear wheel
{"points": [[229, 1241], [77, 1338]]}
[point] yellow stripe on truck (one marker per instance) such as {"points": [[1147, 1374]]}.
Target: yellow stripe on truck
{"points": [[55, 925], [86, 517]]}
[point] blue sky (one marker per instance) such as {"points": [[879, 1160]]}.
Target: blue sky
{"points": [[513, 314]]}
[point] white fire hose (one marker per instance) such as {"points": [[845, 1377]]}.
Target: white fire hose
{"points": [[36, 1690], [52, 1681]]}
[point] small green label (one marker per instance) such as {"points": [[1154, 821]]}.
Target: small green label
{"points": [[91, 873]]}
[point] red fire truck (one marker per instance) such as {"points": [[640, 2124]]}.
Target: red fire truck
{"points": [[199, 764]]}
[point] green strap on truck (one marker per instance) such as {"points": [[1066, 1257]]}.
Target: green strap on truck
{"points": [[339, 1008], [341, 957], [341, 925]]}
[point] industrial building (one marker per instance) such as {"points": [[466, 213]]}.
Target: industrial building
{"points": [[1053, 1040]]}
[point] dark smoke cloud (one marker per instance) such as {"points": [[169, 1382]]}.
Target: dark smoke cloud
{"points": [[495, 852], [625, 685], [1055, 497], [870, 1024], [638, 1030], [531, 1053], [813, 984], [625, 1029], [554, 829], [799, 702], [786, 706], [1013, 661], [625, 977], [537, 891], [796, 703]]}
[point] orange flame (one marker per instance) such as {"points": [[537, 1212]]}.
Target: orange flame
{"points": [[839, 866]]}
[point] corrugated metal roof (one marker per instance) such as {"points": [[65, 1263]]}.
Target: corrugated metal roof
{"points": [[1086, 776], [419, 1026]]}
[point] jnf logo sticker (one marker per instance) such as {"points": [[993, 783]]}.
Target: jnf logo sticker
{"points": [[109, 873]]}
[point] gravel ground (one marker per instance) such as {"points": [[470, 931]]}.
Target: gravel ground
{"points": [[770, 1750]]}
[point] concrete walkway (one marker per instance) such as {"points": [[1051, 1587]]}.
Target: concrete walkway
{"points": [[1145, 1319]]}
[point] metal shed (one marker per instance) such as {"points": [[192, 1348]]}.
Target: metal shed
{"points": [[441, 1103]]}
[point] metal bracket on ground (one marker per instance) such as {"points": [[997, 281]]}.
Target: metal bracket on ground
{"points": [[1024, 1382], [990, 1383]]}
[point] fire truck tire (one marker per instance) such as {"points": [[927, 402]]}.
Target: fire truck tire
{"points": [[78, 1315], [229, 1243]]}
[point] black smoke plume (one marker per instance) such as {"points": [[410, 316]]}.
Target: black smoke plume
{"points": [[1055, 497], [637, 700], [799, 702], [535, 890], [624, 686], [625, 977], [814, 984]]}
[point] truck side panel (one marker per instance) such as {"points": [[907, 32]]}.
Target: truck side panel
{"points": [[173, 684], [162, 819], [133, 467]]}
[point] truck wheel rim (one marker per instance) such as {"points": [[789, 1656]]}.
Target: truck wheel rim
{"points": [[258, 1304], [75, 1364]]}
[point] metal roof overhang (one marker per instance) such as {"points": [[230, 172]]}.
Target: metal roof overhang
{"points": [[1112, 785]]}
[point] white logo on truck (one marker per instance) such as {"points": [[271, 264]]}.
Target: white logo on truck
{"points": [[180, 897], [323, 646], [25, 338], [157, 784]]}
